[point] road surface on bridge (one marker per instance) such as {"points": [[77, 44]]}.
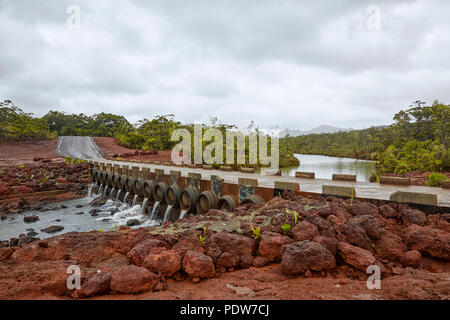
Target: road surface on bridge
{"points": [[78, 148]]}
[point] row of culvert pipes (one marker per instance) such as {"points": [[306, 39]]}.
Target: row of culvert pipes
{"points": [[160, 201]]}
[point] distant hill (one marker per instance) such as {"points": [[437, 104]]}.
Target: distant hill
{"points": [[320, 129]]}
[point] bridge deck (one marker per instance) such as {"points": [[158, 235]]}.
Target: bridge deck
{"points": [[363, 189]]}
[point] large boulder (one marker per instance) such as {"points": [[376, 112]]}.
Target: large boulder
{"points": [[370, 224], [411, 216], [301, 256], [363, 208], [198, 265], [433, 242], [411, 258], [167, 262], [227, 260], [188, 243], [325, 228], [355, 256], [354, 234], [390, 246], [234, 243], [386, 211], [271, 243], [95, 285], [133, 279], [29, 219], [304, 230], [52, 229], [140, 251], [327, 242]]}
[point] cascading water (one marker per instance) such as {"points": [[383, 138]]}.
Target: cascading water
{"points": [[134, 200], [144, 203], [126, 197], [166, 215], [105, 191], [112, 192], [100, 189], [118, 195], [89, 195], [183, 214], [155, 206]]}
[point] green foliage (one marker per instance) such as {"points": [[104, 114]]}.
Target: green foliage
{"points": [[116, 227], [286, 228], [21, 166], [435, 180], [202, 237], [295, 215], [256, 231]]}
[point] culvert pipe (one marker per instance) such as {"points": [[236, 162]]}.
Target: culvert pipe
{"points": [[138, 187], [102, 177], [160, 192], [188, 199], [207, 200], [129, 182], [115, 180], [227, 203], [109, 179], [121, 182], [253, 199], [149, 189], [173, 196]]}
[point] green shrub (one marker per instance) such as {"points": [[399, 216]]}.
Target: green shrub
{"points": [[435, 180]]}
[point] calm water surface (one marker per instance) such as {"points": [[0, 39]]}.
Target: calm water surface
{"points": [[324, 166]]}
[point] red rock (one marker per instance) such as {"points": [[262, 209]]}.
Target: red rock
{"points": [[304, 231], [188, 243], [354, 234], [5, 253], [299, 257], [140, 251], [95, 285], [227, 260], [411, 259], [4, 190], [214, 252], [246, 261], [167, 262], [370, 224], [390, 246], [260, 262], [355, 256], [327, 242], [22, 190], [234, 243], [198, 265], [434, 242], [61, 180], [410, 217], [133, 279], [271, 243], [386, 211], [363, 208]]}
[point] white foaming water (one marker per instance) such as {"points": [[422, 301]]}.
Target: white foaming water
{"points": [[134, 200], [167, 214], [125, 198], [123, 216], [155, 206], [144, 204], [100, 189], [112, 192], [105, 191], [182, 214], [89, 194]]}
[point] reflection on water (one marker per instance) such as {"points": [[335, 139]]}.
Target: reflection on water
{"points": [[324, 167]]}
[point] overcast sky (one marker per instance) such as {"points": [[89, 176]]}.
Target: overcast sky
{"points": [[289, 63]]}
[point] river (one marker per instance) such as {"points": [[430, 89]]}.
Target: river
{"points": [[324, 167]]}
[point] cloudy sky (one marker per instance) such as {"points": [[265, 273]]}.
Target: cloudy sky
{"points": [[286, 63]]}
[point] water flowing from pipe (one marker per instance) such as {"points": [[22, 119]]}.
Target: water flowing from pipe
{"points": [[126, 197], [89, 195], [144, 203], [167, 214], [183, 214], [118, 194], [134, 200], [155, 206], [112, 192], [100, 189]]}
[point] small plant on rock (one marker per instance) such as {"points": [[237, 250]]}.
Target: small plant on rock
{"points": [[256, 231], [202, 238], [286, 228]]}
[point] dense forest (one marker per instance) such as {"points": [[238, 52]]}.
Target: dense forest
{"points": [[417, 141]]}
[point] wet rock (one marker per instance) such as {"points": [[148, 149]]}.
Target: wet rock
{"points": [[32, 234], [354, 234], [42, 244], [80, 213], [3, 217], [234, 243], [140, 251], [79, 186], [388, 212], [4, 243], [271, 243], [99, 201], [390, 246], [304, 231], [30, 219], [96, 285], [327, 242], [198, 265], [25, 240], [185, 244], [13, 242], [363, 208], [301, 256], [63, 206], [410, 217], [260, 262], [167, 262], [24, 204], [427, 240], [227, 260], [133, 279], [133, 222], [355, 256], [52, 229], [95, 211], [79, 206], [411, 259]]}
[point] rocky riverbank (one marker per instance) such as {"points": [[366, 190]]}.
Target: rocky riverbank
{"points": [[32, 186], [289, 248]]}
